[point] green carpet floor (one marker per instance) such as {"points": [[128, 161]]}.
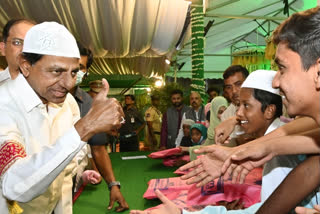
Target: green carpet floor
{"points": [[133, 175]]}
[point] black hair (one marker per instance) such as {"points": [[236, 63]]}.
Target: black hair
{"points": [[231, 70], [32, 58], [213, 89], [155, 97], [11, 23], [301, 33], [86, 52], [267, 98], [131, 96], [176, 91]]}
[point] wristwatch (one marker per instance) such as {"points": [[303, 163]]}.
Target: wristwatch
{"points": [[114, 183]]}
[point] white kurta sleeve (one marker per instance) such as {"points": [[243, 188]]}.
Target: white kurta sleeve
{"points": [[30, 176], [222, 210], [180, 133]]}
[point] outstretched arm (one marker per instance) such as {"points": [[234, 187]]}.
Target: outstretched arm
{"points": [[300, 182], [103, 163], [257, 152], [207, 167], [224, 130]]}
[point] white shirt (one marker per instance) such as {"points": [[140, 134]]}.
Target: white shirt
{"points": [[277, 169], [45, 141], [5, 75]]}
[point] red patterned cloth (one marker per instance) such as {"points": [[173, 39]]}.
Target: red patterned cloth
{"points": [[166, 186], [164, 153], [10, 151], [219, 190]]}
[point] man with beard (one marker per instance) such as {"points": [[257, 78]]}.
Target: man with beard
{"points": [[233, 78], [171, 120], [195, 113]]}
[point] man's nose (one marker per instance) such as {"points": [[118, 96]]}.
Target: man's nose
{"points": [[275, 81], [239, 112], [68, 81], [235, 89]]}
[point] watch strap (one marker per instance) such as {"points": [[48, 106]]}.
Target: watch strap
{"points": [[113, 183]]}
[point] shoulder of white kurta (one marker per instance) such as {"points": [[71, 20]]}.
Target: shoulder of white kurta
{"points": [[72, 103]]}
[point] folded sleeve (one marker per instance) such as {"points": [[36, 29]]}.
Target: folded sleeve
{"points": [[24, 177]]}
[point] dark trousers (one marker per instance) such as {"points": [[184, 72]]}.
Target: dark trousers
{"points": [[130, 144]]}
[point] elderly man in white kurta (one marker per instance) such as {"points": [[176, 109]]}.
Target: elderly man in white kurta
{"points": [[39, 131]]}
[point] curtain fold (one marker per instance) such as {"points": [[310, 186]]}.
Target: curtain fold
{"points": [[120, 29]]}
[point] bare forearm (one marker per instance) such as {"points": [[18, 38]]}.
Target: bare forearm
{"points": [[298, 185], [83, 129], [93, 165], [103, 163], [306, 143], [294, 127]]}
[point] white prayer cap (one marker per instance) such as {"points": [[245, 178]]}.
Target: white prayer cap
{"points": [[50, 38], [187, 122], [261, 79]]}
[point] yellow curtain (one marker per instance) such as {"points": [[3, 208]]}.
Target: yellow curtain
{"points": [[270, 50], [251, 59]]}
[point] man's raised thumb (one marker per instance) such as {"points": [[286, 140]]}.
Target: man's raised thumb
{"points": [[105, 88]]}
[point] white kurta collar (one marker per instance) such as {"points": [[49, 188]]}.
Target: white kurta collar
{"points": [[274, 125], [28, 97], [5, 75]]}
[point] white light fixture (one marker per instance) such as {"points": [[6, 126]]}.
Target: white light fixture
{"points": [[158, 83], [168, 61]]}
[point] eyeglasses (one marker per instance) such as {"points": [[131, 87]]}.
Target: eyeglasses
{"points": [[16, 42]]}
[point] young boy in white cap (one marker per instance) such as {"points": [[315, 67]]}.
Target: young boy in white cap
{"points": [[40, 130], [258, 114], [186, 125]]}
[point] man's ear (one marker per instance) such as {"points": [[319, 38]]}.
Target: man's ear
{"points": [[24, 66], [317, 75], [270, 112], [2, 49]]}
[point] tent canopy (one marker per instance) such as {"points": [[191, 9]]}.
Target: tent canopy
{"points": [[135, 37]]}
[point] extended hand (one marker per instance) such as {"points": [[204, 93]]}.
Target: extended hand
{"points": [[223, 130], [303, 210], [91, 176], [184, 149], [208, 166], [244, 159], [168, 207], [116, 196]]}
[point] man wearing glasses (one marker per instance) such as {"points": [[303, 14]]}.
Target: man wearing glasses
{"points": [[13, 35]]}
